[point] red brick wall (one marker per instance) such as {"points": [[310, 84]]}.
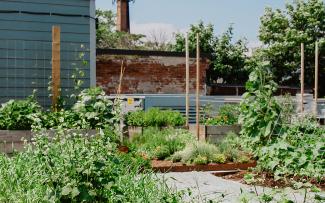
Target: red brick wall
{"points": [[148, 75]]}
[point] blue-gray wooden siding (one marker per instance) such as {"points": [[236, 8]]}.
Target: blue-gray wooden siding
{"points": [[25, 46]]}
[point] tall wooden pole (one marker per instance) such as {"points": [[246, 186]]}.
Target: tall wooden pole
{"points": [[187, 81], [198, 86], [56, 57], [302, 77], [316, 75]]}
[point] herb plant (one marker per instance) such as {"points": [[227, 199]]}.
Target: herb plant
{"points": [[161, 144]]}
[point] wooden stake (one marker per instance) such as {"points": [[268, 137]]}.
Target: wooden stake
{"points": [[118, 99], [119, 90], [302, 78], [56, 59], [316, 76], [198, 87], [187, 81]]}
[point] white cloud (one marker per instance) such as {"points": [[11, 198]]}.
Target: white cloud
{"points": [[161, 32]]}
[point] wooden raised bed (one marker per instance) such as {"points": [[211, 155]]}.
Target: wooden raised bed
{"points": [[214, 134], [168, 166], [15, 140]]}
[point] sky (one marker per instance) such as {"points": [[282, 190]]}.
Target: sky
{"points": [[163, 18]]}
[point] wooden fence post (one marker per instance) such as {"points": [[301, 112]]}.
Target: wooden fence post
{"points": [[316, 76], [197, 86], [187, 82], [56, 60], [302, 77]]}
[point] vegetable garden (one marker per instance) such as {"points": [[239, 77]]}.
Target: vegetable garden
{"points": [[72, 167], [90, 151]]}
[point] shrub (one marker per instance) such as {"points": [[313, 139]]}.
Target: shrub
{"points": [[161, 144], [155, 117], [19, 114]]}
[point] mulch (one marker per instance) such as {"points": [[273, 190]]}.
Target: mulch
{"points": [[267, 180]]}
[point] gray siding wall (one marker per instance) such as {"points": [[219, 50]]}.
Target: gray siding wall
{"points": [[25, 46]]}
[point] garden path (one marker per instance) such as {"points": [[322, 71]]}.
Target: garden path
{"points": [[204, 187]]}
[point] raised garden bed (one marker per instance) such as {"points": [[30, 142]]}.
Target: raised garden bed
{"points": [[169, 166], [215, 134]]}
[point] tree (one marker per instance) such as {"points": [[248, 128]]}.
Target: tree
{"points": [[282, 32], [227, 57], [108, 37]]}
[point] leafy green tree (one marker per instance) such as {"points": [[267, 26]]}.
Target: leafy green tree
{"points": [[207, 39], [108, 37], [282, 32], [227, 57]]}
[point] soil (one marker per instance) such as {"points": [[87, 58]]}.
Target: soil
{"points": [[267, 180], [123, 149], [169, 166]]}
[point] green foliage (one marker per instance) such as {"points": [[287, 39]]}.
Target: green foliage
{"points": [[227, 115], [198, 153], [64, 119], [19, 114], [231, 147], [72, 168], [161, 144], [206, 37], [260, 112], [155, 117], [108, 37], [93, 110], [200, 160], [283, 148], [228, 57], [282, 31], [299, 152], [94, 107]]}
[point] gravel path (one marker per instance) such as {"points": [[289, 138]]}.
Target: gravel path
{"points": [[205, 187]]}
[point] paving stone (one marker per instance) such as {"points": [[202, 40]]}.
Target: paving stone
{"points": [[204, 187]]}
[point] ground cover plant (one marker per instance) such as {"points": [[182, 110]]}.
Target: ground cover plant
{"points": [[72, 168], [155, 117], [155, 143]]}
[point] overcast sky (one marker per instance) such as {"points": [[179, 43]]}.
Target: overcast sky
{"points": [[150, 17]]}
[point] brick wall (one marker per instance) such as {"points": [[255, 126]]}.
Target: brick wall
{"points": [[148, 74]]}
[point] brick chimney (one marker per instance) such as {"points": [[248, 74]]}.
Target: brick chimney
{"points": [[123, 16]]}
